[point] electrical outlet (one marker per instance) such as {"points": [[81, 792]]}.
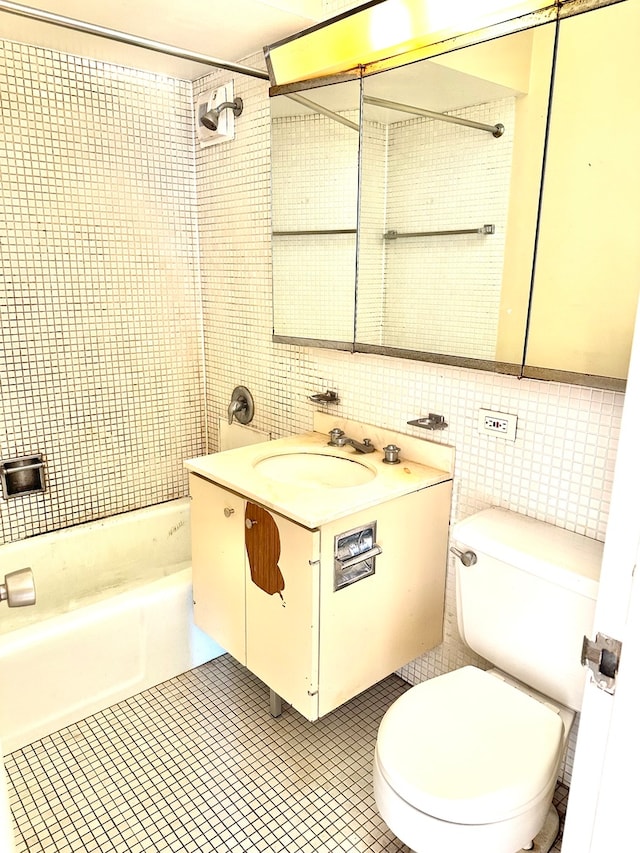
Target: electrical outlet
{"points": [[499, 424]]}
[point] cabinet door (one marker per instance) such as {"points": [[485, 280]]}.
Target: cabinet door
{"points": [[217, 535], [282, 607], [378, 624], [587, 272]]}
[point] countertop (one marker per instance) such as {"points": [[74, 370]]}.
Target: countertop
{"points": [[312, 505]]}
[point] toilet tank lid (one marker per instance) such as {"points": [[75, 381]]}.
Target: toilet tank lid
{"points": [[553, 553]]}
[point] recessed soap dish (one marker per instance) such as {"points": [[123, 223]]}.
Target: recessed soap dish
{"points": [[430, 422], [325, 397], [22, 476]]}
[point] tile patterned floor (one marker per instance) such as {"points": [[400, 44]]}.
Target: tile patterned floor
{"points": [[198, 764]]}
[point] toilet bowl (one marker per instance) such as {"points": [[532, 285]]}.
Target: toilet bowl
{"points": [[468, 760]]}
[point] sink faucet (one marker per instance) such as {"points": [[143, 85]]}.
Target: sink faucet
{"points": [[337, 438]]}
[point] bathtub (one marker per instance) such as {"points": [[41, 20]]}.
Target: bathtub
{"points": [[113, 616]]}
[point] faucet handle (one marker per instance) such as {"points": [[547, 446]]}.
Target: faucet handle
{"points": [[241, 406], [391, 452], [335, 435]]}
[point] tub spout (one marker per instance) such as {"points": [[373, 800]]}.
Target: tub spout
{"points": [[18, 589]]}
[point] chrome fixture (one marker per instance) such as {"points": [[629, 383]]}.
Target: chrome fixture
{"points": [[495, 130], [337, 438], [391, 452], [396, 235], [325, 397], [126, 38], [241, 406], [210, 118], [314, 231], [354, 555], [323, 111], [430, 422], [467, 558], [18, 589], [22, 476]]}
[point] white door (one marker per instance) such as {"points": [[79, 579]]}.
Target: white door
{"points": [[602, 812]]}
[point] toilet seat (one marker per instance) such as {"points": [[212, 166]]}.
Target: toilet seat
{"points": [[469, 748]]}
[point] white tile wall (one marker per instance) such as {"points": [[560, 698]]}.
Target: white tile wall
{"points": [[100, 367], [450, 285], [373, 206], [560, 467], [315, 187], [100, 326]]}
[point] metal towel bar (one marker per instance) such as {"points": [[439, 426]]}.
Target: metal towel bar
{"points": [[395, 235]]}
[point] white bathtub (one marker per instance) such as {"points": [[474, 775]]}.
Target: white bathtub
{"points": [[114, 616]]}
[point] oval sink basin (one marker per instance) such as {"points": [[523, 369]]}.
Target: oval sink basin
{"points": [[317, 470]]}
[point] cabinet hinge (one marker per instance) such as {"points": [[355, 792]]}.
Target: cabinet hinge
{"points": [[602, 656]]}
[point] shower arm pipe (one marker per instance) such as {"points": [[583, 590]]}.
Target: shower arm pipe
{"points": [[494, 129], [317, 108], [126, 38]]}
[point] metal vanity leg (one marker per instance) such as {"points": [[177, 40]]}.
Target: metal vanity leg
{"points": [[275, 703]]}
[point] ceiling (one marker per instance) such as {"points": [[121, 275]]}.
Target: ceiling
{"points": [[231, 30]]}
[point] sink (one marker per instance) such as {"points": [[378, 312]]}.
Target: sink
{"points": [[316, 470]]}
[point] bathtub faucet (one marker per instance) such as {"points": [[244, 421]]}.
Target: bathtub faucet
{"points": [[241, 406], [235, 407], [18, 589]]}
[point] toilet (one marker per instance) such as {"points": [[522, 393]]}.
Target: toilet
{"points": [[469, 760]]}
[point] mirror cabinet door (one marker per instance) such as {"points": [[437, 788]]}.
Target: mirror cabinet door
{"points": [[465, 296], [448, 208], [314, 170], [587, 274]]}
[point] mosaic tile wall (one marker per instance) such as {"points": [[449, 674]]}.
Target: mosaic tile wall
{"points": [[100, 369], [101, 338], [464, 184], [560, 467], [315, 188]]}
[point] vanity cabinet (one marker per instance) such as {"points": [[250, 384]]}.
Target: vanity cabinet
{"points": [[265, 588]]}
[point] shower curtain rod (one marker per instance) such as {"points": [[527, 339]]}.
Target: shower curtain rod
{"points": [[494, 129], [126, 38], [318, 108]]}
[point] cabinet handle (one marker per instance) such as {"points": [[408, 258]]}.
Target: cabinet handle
{"points": [[249, 523], [359, 558], [228, 511]]}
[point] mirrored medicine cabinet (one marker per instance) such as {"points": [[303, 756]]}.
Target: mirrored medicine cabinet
{"points": [[419, 212]]}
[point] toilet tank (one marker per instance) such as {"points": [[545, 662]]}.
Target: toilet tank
{"points": [[529, 600]]}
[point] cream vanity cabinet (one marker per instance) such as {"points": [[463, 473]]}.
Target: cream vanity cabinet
{"points": [[264, 587]]}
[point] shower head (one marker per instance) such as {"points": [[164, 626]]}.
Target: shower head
{"points": [[210, 118]]}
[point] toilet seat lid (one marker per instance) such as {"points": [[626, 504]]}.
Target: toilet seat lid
{"points": [[468, 747]]}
